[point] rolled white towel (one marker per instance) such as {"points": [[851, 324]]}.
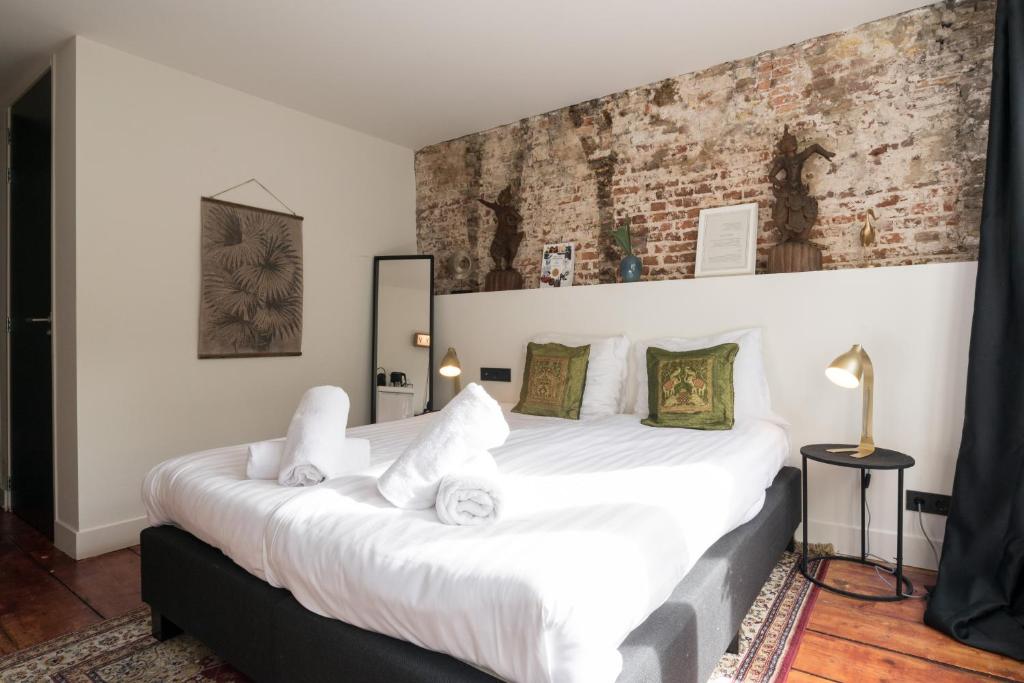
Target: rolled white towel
{"points": [[264, 461], [471, 421], [315, 436], [473, 495]]}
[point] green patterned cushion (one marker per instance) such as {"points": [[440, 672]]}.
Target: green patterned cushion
{"points": [[691, 389], [553, 380]]}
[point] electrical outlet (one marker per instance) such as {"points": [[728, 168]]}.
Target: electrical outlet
{"points": [[496, 374], [932, 503]]}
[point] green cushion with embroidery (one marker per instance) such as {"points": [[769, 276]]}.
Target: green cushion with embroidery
{"points": [[553, 380], [691, 389]]}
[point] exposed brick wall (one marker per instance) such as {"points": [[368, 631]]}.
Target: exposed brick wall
{"points": [[903, 102]]}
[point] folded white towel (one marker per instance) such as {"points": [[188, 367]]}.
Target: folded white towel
{"points": [[315, 436], [471, 421], [264, 461], [473, 495]]}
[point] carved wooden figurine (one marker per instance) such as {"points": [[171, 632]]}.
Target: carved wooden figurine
{"points": [[505, 244], [795, 210]]}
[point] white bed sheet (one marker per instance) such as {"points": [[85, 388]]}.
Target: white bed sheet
{"points": [[604, 519], [208, 494]]}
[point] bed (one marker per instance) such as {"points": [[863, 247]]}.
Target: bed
{"points": [[627, 553]]}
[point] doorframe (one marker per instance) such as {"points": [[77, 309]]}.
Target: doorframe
{"points": [[5, 361], [5, 301]]}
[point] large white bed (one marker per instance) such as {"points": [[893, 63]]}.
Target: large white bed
{"points": [[604, 519]]}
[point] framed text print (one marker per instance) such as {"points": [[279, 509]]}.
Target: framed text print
{"points": [[727, 241]]}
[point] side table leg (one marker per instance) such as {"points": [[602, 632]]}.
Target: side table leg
{"points": [[803, 480], [863, 516], [899, 534]]}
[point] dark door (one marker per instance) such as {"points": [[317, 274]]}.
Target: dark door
{"points": [[31, 388]]}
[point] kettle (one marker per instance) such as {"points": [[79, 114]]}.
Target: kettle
{"points": [[398, 379]]}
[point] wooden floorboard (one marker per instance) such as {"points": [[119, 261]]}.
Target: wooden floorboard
{"points": [[44, 594], [843, 660], [35, 606], [110, 583], [861, 624], [857, 640], [804, 677]]}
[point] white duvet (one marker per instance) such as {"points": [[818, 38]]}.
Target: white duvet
{"points": [[603, 519]]}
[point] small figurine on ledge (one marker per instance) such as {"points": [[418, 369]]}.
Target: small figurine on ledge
{"points": [[795, 210], [506, 242]]}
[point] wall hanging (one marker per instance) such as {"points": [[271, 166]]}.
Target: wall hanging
{"points": [[251, 280]]}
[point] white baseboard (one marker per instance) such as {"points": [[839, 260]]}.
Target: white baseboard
{"points": [[64, 537], [83, 543], [846, 539]]}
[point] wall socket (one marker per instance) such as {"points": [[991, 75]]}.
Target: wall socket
{"points": [[496, 374], [932, 503]]}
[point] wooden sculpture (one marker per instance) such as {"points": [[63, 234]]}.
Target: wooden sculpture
{"points": [[505, 244], [795, 210]]}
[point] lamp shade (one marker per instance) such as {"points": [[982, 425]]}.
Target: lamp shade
{"points": [[450, 366], [848, 369]]}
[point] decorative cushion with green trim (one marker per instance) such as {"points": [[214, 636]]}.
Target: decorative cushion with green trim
{"points": [[691, 389], [553, 380]]}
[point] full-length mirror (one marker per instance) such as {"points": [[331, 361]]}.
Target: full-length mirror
{"points": [[403, 335]]}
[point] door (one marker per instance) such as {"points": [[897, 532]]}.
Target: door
{"points": [[31, 385]]}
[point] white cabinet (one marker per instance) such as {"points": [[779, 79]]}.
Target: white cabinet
{"points": [[394, 403]]}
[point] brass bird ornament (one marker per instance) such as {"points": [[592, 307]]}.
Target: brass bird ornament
{"points": [[868, 232]]}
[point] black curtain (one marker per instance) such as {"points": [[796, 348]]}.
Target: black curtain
{"points": [[979, 599]]}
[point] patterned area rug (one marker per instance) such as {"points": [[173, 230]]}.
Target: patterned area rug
{"points": [[771, 632], [121, 650]]}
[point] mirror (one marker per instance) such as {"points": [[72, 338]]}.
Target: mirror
{"points": [[403, 335]]}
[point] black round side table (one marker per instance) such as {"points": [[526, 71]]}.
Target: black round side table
{"points": [[881, 459]]}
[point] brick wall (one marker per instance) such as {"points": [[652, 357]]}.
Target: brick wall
{"points": [[903, 102]]}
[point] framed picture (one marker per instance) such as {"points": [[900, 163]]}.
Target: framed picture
{"points": [[556, 265], [727, 241], [251, 281]]}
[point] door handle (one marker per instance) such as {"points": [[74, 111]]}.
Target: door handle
{"points": [[48, 319]]}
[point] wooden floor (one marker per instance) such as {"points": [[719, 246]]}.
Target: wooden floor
{"points": [[44, 593]]}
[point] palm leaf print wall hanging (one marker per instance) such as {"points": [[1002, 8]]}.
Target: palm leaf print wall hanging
{"points": [[251, 300]]}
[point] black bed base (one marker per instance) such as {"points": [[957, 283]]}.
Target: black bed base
{"points": [[263, 632]]}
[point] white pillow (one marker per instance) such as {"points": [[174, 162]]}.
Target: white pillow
{"points": [[606, 370], [749, 381]]}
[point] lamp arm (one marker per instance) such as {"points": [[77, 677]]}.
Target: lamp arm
{"points": [[867, 443]]}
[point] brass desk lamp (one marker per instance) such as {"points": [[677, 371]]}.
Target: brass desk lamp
{"points": [[850, 370], [450, 367]]}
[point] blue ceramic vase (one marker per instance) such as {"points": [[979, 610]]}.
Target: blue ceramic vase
{"points": [[630, 269]]}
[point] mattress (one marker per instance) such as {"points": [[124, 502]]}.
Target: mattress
{"points": [[604, 518]]}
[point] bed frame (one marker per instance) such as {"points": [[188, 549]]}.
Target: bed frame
{"points": [[263, 632]]}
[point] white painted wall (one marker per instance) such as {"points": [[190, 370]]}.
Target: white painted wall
{"points": [[65, 375], [149, 142], [914, 321]]}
